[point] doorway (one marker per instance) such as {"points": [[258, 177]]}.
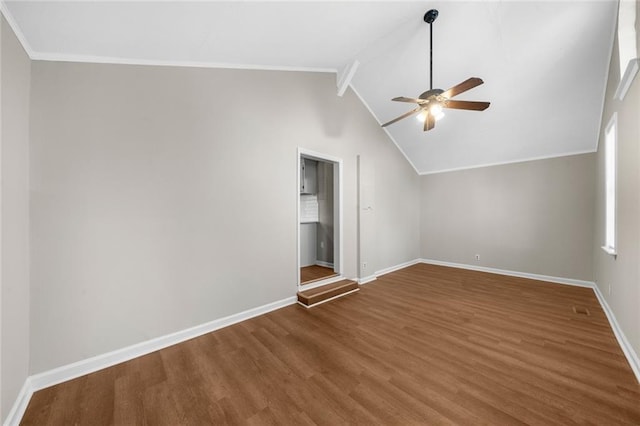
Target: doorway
{"points": [[319, 219]]}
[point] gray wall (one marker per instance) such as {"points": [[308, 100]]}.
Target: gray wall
{"points": [[391, 186], [534, 217], [141, 178], [622, 274], [14, 198]]}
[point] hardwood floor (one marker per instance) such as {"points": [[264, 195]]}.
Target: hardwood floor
{"points": [[423, 345], [326, 293], [309, 274]]}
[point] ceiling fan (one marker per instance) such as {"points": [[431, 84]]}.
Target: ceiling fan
{"points": [[431, 102]]}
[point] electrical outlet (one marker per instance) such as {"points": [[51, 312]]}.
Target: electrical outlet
{"points": [[321, 244], [477, 257], [364, 265]]}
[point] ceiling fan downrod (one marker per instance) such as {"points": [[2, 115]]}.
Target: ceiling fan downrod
{"points": [[429, 104], [429, 17]]}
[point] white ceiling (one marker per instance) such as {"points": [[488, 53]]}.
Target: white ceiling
{"points": [[544, 63]]}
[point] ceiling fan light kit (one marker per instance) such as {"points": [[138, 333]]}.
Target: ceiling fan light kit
{"points": [[432, 102]]}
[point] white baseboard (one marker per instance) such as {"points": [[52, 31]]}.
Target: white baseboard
{"points": [[90, 365], [626, 347], [628, 350], [366, 280], [325, 264], [557, 280], [375, 275], [20, 406], [396, 267]]}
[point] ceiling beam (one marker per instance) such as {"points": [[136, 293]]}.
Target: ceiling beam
{"points": [[344, 78]]}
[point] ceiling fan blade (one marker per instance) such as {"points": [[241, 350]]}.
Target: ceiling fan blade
{"points": [[470, 105], [463, 87], [411, 100], [405, 115], [429, 121]]}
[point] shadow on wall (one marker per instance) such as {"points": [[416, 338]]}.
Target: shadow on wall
{"points": [[332, 119]]}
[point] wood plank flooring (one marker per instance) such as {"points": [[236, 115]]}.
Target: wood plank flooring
{"points": [[309, 274], [322, 294], [423, 345]]}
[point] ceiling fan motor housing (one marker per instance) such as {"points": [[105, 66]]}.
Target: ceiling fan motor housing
{"points": [[433, 93], [431, 102]]}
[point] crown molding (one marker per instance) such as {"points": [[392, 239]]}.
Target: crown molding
{"points": [[61, 57], [4, 9], [505, 163], [55, 57]]}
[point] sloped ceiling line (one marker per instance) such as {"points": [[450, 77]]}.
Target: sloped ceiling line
{"points": [[366, 105], [545, 78]]}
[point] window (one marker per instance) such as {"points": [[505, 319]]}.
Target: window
{"points": [[610, 165], [627, 49]]}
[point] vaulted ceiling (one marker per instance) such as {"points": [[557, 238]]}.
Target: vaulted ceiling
{"points": [[544, 63]]}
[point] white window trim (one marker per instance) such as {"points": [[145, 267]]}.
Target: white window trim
{"points": [[611, 243]]}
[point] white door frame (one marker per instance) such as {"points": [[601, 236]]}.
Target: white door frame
{"points": [[338, 206]]}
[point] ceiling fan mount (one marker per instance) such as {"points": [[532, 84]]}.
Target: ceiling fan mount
{"points": [[430, 103], [430, 16]]}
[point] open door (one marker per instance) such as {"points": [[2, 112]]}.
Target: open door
{"points": [[319, 219]]}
